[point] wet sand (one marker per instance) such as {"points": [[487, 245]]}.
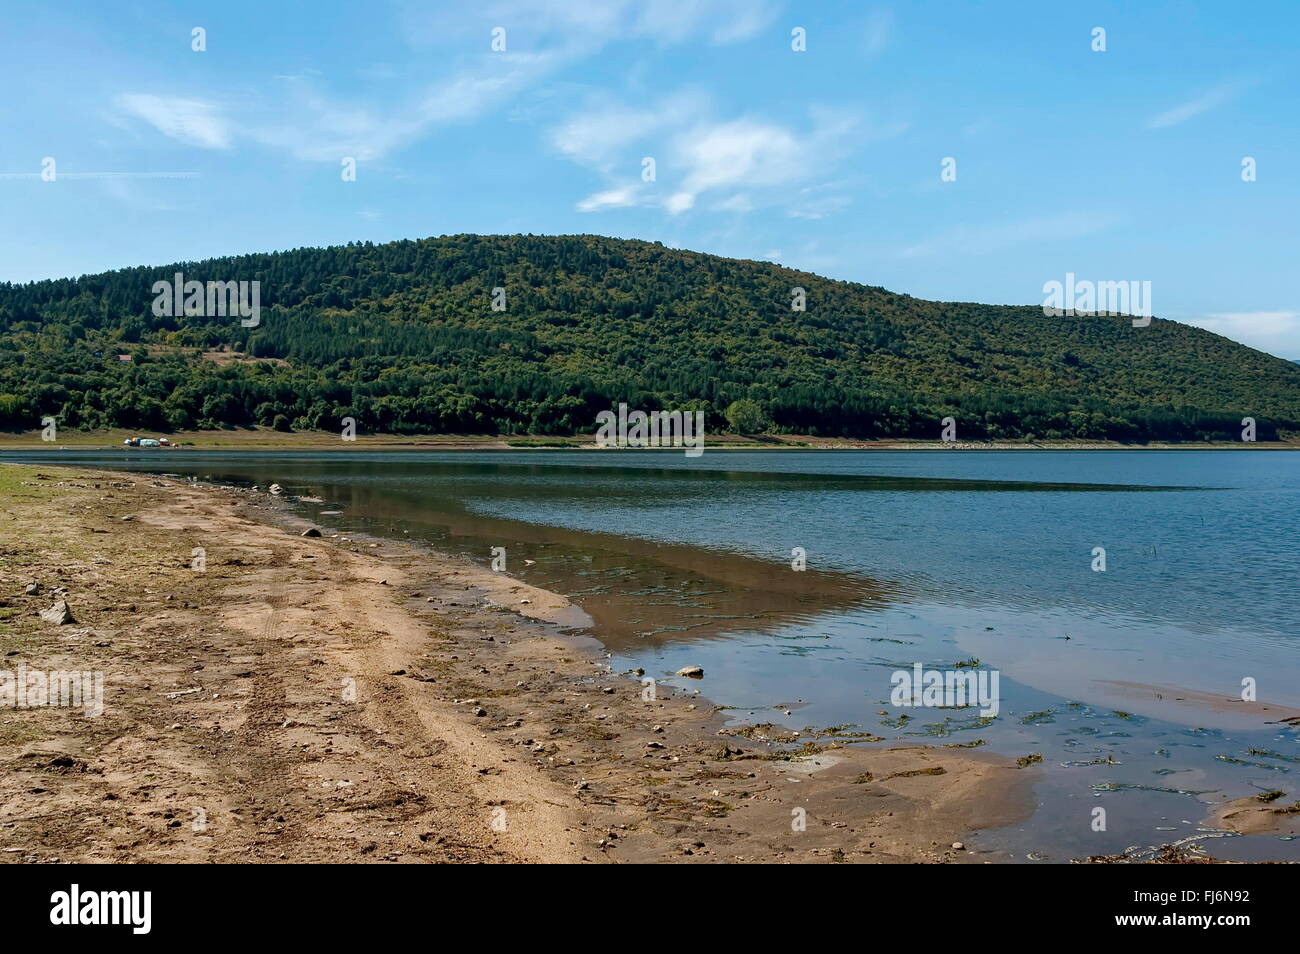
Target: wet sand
{"points": [[336, 699]]}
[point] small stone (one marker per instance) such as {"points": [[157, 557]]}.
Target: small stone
{"points": [[58, 614], [691, 672], [311, 532], [958, 846], [32, 589]]}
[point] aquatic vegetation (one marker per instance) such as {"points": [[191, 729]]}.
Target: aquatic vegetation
{"points": [[1269, 754], [950, 725], [915, 773], [1264, 765], [1135, 787]]}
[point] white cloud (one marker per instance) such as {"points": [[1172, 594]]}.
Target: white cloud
{"points": [[1194, 107], [619, 198], [755, 161], [191, 121], [739, 152], [599, 136], [1277, 332], [680, 202]]}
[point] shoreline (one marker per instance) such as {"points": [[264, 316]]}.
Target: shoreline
{"points": [[265, 439], [341, 699]]}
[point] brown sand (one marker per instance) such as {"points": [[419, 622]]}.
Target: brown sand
{"points": [[307, 699]]}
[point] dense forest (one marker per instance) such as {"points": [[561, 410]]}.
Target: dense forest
{"points": [[404, 338]]}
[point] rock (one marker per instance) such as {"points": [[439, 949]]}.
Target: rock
{"points": [[32, 589], [691, 672], [480, 711], [958, 846], [127, 517], [58, 614], [276, 490], [311, 532]]}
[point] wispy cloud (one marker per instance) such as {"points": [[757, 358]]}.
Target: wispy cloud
{"points": [[880, 27], [542, 36], [191, 121], [1218, 96]]}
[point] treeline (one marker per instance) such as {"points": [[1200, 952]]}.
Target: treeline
{"points": [[403, 337]]}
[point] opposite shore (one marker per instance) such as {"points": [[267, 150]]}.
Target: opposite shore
{"points": [[269, 439]]}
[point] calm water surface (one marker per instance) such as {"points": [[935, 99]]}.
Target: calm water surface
{"points": [[931, 557]]}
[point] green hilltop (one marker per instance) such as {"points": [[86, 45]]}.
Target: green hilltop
{"points": [[403, 337]]}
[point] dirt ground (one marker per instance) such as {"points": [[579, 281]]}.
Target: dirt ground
{"points": [[274, 697]]}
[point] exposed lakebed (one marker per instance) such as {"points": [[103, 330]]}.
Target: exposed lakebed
{"points": [[1126, 682]]}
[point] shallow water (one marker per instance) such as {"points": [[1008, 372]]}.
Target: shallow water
{"points": [[931, 557]]}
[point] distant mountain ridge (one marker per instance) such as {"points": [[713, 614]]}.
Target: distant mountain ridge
{"points": [[403, 337]]}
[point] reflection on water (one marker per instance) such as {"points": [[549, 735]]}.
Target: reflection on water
{"points": [[935, 558]]}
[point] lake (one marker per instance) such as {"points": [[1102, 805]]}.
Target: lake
{"points": [[1125, 680]]}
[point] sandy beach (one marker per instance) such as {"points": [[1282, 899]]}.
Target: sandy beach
{"points": [[269, 696]]}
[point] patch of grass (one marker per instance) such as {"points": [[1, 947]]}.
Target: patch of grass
{"points": [[13, 732]]}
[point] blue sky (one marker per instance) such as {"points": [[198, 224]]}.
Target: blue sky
{"points": [[1117, 165]]}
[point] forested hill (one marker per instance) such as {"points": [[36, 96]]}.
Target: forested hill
{"points": [[403, 337]]}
